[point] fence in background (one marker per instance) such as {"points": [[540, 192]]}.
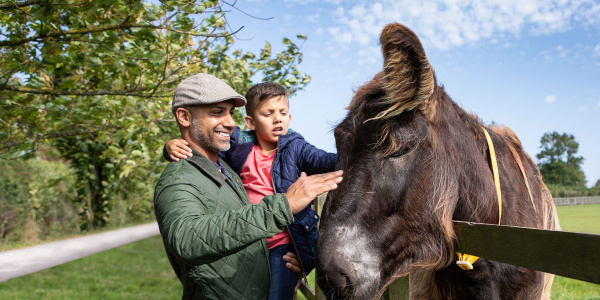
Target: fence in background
{"points": [[577, 200]]}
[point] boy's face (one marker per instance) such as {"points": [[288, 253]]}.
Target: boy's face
{"points": [[270, 120]]}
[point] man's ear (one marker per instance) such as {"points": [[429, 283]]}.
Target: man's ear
{"points": [[183, 116], [249, 122]]}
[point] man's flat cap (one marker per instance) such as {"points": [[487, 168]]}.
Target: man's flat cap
{"points": [[204, 89]]}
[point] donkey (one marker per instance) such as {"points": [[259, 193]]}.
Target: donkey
{"points": [[413, 161]]}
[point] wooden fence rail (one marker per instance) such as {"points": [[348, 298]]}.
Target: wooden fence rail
{"points": [[568, 254]]}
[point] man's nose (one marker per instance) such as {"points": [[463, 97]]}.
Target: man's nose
{"points": [[229, 121]]}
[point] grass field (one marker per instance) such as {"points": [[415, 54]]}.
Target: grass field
{"points": [[141, 271], [135, 271]]}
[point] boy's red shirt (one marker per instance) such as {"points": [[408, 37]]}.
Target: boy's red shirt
{"points": [[256, 177]]}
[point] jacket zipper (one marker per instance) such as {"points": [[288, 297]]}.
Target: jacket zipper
{"points": [[303, 275]]}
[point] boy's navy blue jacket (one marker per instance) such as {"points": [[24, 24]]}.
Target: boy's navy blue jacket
{"points": [[294, 155]]}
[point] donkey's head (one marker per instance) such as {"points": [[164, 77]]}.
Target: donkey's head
{"points": [[393, 211]]}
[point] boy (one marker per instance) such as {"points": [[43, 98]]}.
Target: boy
{"points": [[269, 159]]}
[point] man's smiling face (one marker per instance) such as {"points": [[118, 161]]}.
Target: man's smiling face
{"points": [[212, 126]]}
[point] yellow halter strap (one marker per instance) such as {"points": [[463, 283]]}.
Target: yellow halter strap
{"points": [[466, 261], [495, 171]]}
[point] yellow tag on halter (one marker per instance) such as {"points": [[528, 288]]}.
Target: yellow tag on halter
{"points": [[466, 261]]}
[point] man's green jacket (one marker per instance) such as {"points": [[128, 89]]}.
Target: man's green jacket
{"points": [[213, 236]]}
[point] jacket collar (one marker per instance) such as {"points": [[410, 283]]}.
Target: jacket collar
{"points": [[207, 166]]}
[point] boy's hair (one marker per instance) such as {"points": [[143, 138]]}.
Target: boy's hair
{"points": [[260, 92]]}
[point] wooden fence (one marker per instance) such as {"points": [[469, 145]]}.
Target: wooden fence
{"points": [[568, 254]]}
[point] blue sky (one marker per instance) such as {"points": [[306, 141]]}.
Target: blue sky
{"points": [[531, 65]]}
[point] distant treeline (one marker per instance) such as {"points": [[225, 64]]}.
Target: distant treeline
{"points": [[559, 191], [37, 203]]}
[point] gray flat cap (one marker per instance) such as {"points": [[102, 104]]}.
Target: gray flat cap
{"points": [[204, 89]]}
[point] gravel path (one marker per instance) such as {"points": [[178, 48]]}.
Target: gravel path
{"points": [[15, 263]]}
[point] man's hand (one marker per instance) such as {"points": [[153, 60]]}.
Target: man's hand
{"points": [[307, 188], [178, 148]]}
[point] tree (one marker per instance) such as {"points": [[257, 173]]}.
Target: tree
{"points": [[94, 80], [558, 162]]}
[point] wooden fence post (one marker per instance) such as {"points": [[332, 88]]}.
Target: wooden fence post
{"points": [[319, 202]]}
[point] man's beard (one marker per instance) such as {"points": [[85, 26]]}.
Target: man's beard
{"points": [[199, 135]]}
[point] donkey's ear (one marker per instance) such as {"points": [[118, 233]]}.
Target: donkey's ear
{"points": [[409, 80]]}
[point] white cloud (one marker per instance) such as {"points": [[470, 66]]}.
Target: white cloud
{"points": [[313, 18], [335, 2], [448, 23], [369, 55], [315, 54], [551, 98], [562, 52], [333, 51], [597, 50], [338, 35]]}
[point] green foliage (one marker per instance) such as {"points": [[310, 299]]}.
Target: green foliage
{"points": [[39, 202], [558, 162], [561, 191], [36, 201], [94, 80]]}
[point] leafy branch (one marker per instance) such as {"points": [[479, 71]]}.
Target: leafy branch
{"points": [[132, 93], [63, 35]]}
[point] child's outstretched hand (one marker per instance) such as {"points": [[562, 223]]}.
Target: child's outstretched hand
{"points": [[178, 148]]}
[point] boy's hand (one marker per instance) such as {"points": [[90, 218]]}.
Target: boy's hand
{"points": [[307, 188], [178, 148], [292, 262]]}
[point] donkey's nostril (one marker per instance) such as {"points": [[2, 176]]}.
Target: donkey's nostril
{"points": [[337, 278], [343, 283], [337, 285]]}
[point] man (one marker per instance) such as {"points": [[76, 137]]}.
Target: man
{"points": [[213, 236]]}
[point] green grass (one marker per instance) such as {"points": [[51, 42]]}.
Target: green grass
{"points": [[580, 218], [141, 271], [135, 271], [577, 218]]}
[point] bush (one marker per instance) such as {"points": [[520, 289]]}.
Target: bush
{"points": [[36, 201], [560, 191]]}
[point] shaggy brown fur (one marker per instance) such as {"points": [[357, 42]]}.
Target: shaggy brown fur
{"points": [[414, 161]]}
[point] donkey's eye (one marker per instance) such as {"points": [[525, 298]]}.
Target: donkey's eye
{"points": [[399, 153]]}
